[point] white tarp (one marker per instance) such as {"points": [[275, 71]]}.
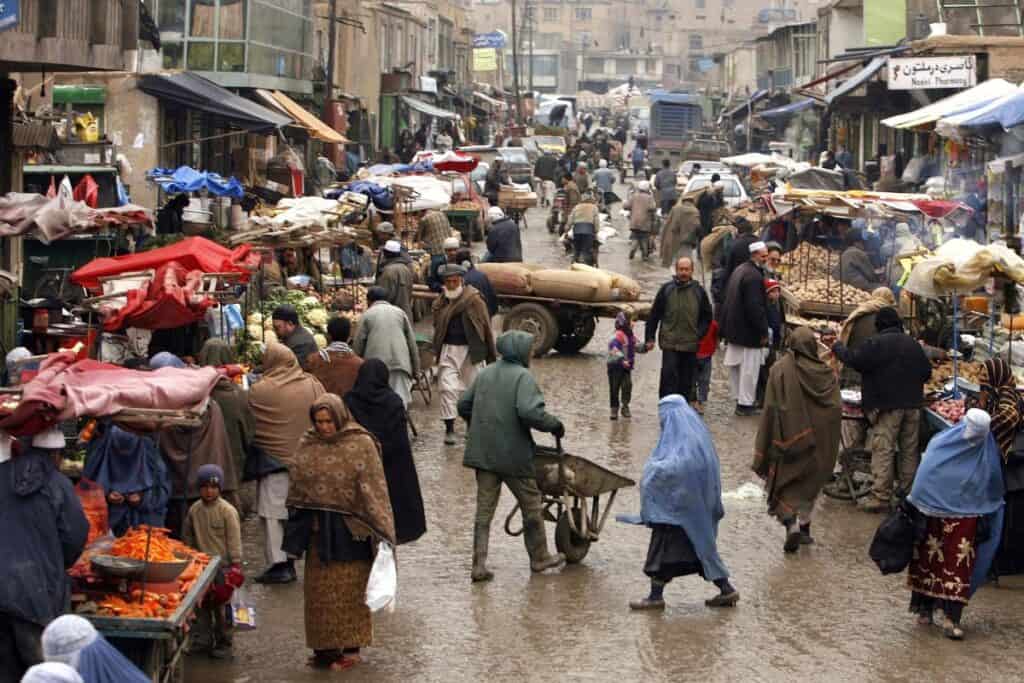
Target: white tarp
{"points": [[969, 99], [300, 212], [752, 159], [430, 192]]}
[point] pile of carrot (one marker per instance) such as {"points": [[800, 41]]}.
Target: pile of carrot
{"points": [[152, 606], [161, 548]]}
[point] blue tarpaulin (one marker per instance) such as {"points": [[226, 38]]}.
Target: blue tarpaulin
{"points": [[379, 195], [187, 179], [656, 96], [1007, 111], [788, 110], [757, 96], [858, 79]]}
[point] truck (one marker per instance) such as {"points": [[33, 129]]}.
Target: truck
{"points": [[675, 118]]}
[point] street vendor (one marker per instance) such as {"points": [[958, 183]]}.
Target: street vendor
{"points": [[384, 232], [434, 229], [293, 335], [296, 263], [44, 531], [854, 267]]}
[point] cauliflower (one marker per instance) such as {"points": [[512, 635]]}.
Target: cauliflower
{"points": [[255, 331], [321, 341], [255, 319], [317, 317], [310, 302]]}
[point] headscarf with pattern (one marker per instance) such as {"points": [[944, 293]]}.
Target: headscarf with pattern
{"points": [[1003, 403]]}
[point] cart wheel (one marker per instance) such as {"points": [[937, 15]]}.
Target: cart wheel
{"points": [[538, 321], [575, 333], [568, 543], [846, 485]]}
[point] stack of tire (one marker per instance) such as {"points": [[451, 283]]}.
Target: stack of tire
{"points": [[565, 328]]}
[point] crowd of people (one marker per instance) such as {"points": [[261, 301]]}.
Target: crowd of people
{"points": [[324, 434]]}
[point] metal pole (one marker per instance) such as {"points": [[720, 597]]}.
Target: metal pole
{"points": [[515, 65], [530, 9], [750, 116], [332, 10]]}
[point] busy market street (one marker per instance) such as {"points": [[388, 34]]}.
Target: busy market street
{"points": [[826, 610], [631, 340]]}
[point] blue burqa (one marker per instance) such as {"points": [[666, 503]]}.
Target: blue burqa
{"points": [[681, 483], [127, 463], [963, 478]]}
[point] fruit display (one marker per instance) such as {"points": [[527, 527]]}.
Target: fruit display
{"points": [[808, 261], [952, 409], [942, 372], [824, 290]]}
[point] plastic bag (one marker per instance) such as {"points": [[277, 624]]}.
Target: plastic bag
{"points": [[243, 614], [94, 505], [383, 583]]}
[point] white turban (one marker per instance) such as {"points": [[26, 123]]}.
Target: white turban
{"points": [[393, 247], [758, 246], [52, 438]]}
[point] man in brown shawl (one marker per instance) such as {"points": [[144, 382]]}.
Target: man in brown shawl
{"points": [[280, 408], [337, 365], [798, 437], [342, 511], [681, 233]]}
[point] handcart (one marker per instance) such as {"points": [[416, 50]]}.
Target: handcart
{"points": [[421, 382], [566, 482], [853, 481]]}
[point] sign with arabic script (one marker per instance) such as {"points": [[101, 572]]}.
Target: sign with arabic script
{"points": [[921, 73]]}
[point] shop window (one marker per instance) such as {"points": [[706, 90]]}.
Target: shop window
{"points": [[551, 13], [202, 15], [231, 20], [174, 54], [584, 13], [231, 57], [696, 41], [171, 17], [200, 56]]}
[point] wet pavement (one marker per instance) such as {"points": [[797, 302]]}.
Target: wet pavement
{"points": [[824, 613]]}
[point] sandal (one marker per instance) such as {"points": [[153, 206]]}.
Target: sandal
{"points": [[344, 662], [953, 631]]}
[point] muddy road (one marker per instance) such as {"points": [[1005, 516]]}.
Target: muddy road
{"points": [[824, 614]]}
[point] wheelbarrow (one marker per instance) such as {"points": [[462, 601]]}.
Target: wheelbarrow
{"points": [[566, 482]]}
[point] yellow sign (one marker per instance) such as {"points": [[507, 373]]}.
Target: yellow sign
{"points": [[485, 59]]}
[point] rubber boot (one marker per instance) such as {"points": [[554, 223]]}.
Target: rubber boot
{"points": [[481, 539], [537, 547]]}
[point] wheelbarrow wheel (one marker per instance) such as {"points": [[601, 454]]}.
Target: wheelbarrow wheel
{"points": [[568, 543]]}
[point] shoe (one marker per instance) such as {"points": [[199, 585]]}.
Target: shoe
{"points": [[481, 541], [874, 504], [724, 599], [746, 411], [952, 631], [792, 543], [614, 415], [223, 652], [551, 562], [449, 438], [625, 411], [646, 604], [280, 574], [805, 535]]}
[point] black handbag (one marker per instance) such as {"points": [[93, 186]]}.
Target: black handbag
{"points": [[892, 548]]}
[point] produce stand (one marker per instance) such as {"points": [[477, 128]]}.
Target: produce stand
{"points": [[157, 646]]}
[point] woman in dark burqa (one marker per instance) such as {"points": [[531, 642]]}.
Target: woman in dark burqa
{"points": [[133, 476], [380, 410]]}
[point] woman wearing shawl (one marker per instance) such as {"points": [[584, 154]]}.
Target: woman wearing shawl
{"points": [[1000, 398], [133, 476], [959, 489], [232, 399], [381, 411], [681, 501], [341, 510], [798, 438], [72, 640], [279, 404], [859, 326]]}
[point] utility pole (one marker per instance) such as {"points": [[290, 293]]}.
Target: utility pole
{"points": [[515, 66], [531, 9], [329, 85]]}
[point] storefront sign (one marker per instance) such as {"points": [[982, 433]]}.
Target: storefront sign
{"points": [[492, 39], [919, 73], [485, 59], [8, 14]]}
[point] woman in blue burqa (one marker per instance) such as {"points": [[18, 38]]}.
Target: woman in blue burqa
{"points": [[681, 502], [133, 476], [959, 489]]}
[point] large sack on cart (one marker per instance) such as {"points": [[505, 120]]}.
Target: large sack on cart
{"points": [[620, 287], [508, 278], [571, 285]]}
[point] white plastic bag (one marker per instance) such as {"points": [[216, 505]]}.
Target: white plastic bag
{"points": [[243, 614], [383, 583]]}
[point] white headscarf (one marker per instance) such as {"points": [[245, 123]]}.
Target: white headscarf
{"points": [[51, 672], [976, 425], [65, 638]]}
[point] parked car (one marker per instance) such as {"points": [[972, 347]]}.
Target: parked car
{"points": [[554, 144], [517, 163], [706, 168], [734, 193]]}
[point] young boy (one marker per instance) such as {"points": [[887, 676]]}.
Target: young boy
{"points": [[621, 361], [212, 527], [705, 353]]}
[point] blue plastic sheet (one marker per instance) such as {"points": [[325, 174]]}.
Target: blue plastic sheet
{"points": [[379, 195], [1007, 112], [187, 179]]}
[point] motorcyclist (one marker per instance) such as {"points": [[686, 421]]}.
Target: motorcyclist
{"points": [[584, 222]]}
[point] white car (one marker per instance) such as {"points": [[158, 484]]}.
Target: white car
{"points": [[734, 193]]}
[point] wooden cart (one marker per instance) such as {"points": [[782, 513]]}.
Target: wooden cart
{"points": [[158, 646]]}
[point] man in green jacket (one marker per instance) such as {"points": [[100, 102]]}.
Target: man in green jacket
{"points": [[501, 407]]}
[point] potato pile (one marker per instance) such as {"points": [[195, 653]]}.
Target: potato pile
{"points": [[821, 290], [808, 261], [942, 372]]}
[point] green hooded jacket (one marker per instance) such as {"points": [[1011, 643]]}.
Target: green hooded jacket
{"points": [[502, 406]]}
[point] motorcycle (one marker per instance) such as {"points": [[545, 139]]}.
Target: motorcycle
{"points": [[557, 217]]}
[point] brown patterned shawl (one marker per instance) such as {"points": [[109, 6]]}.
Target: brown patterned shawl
{"points": [[1003, 402], [343, 473]]}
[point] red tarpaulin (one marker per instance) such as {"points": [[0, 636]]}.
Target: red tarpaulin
{"points": [[456, 162], [192, 253], [170, 301], [938, 208]]}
